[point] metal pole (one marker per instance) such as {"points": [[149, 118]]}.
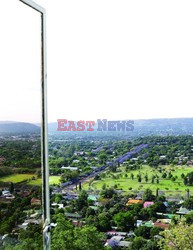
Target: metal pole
{"points": [[44, 131]]}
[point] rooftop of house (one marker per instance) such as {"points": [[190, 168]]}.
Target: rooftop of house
{"points": [[148, 224], [148, 203], [35, 201], [184, 210], [93, 197], [134, 201], [73, 215], [161, 225], [124, 243]]}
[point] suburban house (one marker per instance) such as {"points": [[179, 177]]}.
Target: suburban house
{"points": [[134, 201]]}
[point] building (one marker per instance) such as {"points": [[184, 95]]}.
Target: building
{"points": [[133, 202], [148, 204]]}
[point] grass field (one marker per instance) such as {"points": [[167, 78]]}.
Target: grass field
{"points": [[15, 178], [52, 180], [127, 184]]}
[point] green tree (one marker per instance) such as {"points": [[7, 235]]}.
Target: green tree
{"points": [[179, 237], [138, 243], [124, 220], [148, 195], [189, 203], [66, 237], [143, 231], [88, 238]]}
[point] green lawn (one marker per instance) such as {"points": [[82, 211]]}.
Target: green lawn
{"points": [[126, 183], [52, 180], [16, 178]]}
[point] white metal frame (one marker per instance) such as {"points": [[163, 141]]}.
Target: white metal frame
{"points": [[44, 139]]}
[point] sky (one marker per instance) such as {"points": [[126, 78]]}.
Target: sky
{"points": [[107, 59]]}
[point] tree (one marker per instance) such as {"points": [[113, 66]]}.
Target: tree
{"points": [[88, 238], [102, 158], [132, 176], [11, 189], [188, 193], [104, 221], [146, 178], [157, 192], [139, 178], [138, 243], [189, 203], [164, 175], [66, 237], [189, 178], [29, 239], [148, 195], [189, 218], [104, 186], [124, 220], [185, 180], [107, 193], [80, 186], [63, 235], [82, 201], [155, 231], [179, 237], [143, 231]]}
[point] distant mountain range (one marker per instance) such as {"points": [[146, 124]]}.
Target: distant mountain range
{"points": [[8, 127], [173, 126]]}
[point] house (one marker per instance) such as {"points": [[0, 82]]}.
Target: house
{"points": [[35, 202], [75, 161], [183, 211], [6, 193], [70, 168], [57, 205], [78, 223], [30, 221], [148, 223], [134, 201], [73, 215], [76, 153], [148, 204], [93, 197], [161, 225], [124, 244], [118, 242], [139, 223], [114, 241]]}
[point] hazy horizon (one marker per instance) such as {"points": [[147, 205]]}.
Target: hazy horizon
{"points": [[158, 118], [106, 60]]}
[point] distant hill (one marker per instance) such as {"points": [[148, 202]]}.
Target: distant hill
{"points": [[170, 126], [8, 127], [144, 127]]}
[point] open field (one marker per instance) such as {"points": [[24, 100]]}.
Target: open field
{"points": [[15, 178], [127, 184], [52, 180]]}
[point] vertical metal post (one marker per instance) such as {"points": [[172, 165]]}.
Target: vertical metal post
{"points": [[45, 167], [44, 132]]}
